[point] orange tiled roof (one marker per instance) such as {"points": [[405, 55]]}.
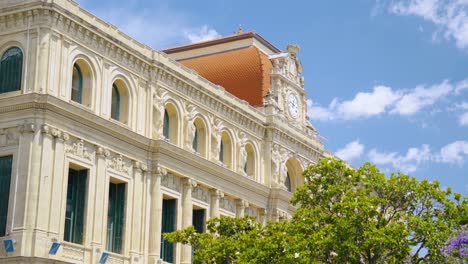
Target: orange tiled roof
{"points": [[243, 72]]}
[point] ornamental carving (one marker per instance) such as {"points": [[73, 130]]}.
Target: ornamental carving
{"points": [[170, 181], [251, 211], [9, 136], [227, 204], [191, 128], [118, 164], [78, 149], [201, 194]]}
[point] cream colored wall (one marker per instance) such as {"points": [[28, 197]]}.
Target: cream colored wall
{"points": [[46, 132]]}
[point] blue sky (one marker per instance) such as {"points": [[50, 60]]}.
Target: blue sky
{"points": [[387, 81]]}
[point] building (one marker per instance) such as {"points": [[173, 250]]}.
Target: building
{"points": [[106, 143]]}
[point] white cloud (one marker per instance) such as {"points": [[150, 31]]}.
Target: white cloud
{"points": [[318, 112], [455, 152], [463, 119], [420, 97], [367, 104], [449, 16], [203, 33], [352, 150], [405, 163], [157, 26], [385, 100], [452, 153]]}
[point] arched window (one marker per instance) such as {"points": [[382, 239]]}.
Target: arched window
{"points": [[11, 68], [293, 175], [199, 139], [120, 103], [171, 123], [82, 84], [195, 139], [249, 166], [77, 84], [115, 108], [166, 125], [287, 182], [225, 150]]}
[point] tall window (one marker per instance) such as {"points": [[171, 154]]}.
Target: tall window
{"points": [[287, 182], [5, 178], [11, 67], [76, 198], [166, 125], [168, 225], [77, 84], [195, 140], [115, 107], [116, 217], [198, 220]]}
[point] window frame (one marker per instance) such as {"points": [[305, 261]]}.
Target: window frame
{"points": [[19, 78]]}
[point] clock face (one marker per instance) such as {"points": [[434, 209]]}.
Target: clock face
{"points": [[293, 105]]}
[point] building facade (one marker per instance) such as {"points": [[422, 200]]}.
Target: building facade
{"points": [[105, 143]]}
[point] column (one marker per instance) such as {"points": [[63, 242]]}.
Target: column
{"points": [[156, 216], [240, 207], [187, 213], [216, 195]]}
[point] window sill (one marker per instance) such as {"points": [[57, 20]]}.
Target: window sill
{"points": [[84, 107], [125, 125], [11, 94]]}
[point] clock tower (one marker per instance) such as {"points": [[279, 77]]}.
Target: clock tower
{"points": [[287, 92]]}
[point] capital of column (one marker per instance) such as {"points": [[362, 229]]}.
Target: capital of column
{"points": [[189, 183], [242, 203], [51, 131], [102, 152], [140, 166], [159, 171], [217, 193], [27, 128]]}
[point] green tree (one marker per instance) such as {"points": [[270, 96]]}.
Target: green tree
{"points": [[344, 215]]}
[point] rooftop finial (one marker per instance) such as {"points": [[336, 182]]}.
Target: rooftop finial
{"points": [[239, 29]]}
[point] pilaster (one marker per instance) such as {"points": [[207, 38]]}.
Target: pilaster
{"points": [[216, 195], [240, 207], [156, 216], [99, 226], [187, 213]]}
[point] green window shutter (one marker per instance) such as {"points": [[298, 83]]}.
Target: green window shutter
{"points": [[80, 206], [110, 217], [166, 126], [116, 217], [221, 151], [120, 217], [115, 106], [5, 179], [76, 201], [11, 68], [168, 225], [195, 140], [77, 84]]}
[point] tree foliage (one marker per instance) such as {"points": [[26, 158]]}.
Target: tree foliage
{"points": [[344, 215]]}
